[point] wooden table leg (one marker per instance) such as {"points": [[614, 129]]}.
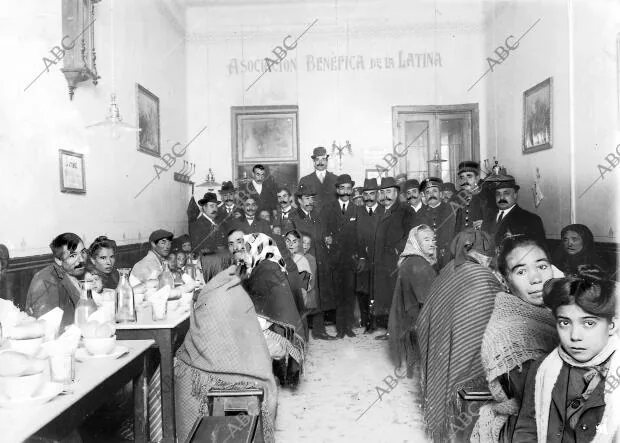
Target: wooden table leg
{"points": [[167, 385], [141, 416]]}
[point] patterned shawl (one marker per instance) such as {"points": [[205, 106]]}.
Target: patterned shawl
{"points": [[258, 246], [450, 329], [517, 332]]}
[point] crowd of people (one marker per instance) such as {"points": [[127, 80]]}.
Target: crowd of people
{"points": [[460, 284]]}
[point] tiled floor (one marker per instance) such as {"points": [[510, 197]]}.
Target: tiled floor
{"points": [[341, 381]]}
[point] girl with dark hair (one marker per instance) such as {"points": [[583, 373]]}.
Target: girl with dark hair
{"points": [[102, 258], [573, 395], [577, 248], [521, 330]]}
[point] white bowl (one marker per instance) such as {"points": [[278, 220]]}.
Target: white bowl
{"points": [[28, 346], [100, 346], [21, 387]]}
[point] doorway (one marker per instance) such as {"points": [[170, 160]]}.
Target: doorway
{"points": [[438, 139]]}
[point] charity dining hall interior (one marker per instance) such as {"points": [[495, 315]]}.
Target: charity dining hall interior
{"points": [[309, 220]]}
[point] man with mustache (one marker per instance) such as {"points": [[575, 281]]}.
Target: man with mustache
{"points": [[390, 237], [474, 202], [439, 216], [207, 232], [250, 223], [282, 222], [321, 179], [510, 218], [367, 220], [340, 218], [57, 285], [411, 191], [224, 211], [306, 219]]}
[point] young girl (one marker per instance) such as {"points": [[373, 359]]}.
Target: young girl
{"points": [[574, 394]]}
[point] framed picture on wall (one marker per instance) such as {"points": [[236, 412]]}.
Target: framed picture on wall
{"points": [[148, 138], [72, 177], [538, 117]]}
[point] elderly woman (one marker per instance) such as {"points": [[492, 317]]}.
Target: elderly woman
{"points": [[224, 349], [577, 249], [416, 273], [450, 328], [521, 330], [102, 260]]}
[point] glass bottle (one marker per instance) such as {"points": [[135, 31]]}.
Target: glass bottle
{"points": [[190, 269], [125, 305], [166, 277], [85, 306]]}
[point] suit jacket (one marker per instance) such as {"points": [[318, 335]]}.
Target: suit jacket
{"points": [[517, 221], [392, 232], [366, 229], [259, 225], [343, 230], [268, 198], [205, 236], [51, 288], [441, 219], [325, 192], [223, 214], [284, 220]]}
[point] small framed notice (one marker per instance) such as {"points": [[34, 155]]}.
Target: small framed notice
{"points": [[72, 178]]}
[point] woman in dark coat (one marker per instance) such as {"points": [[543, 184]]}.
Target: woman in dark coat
{"points": [[416, 272], [577, 248]]}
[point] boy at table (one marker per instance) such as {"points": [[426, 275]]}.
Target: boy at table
{"points": [[151, 265]]}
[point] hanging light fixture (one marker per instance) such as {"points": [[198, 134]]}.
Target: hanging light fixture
{"points": [[437, 161], [113, 121]]}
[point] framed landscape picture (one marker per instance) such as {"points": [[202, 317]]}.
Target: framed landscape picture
{"points": [[148, 138], [538, 117], [72, 177]]}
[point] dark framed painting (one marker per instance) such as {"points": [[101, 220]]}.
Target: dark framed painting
{"points": [[538, 117], [148, 138], [72, 174]]}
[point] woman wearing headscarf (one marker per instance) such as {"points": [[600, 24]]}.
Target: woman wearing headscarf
{"points": [[223, 349], [577, 248], [450, 329], [416, 272], [520, 331], [269, 288]]}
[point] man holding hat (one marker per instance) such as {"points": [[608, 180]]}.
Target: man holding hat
{"points": [[474, 202], [205, 232], [323, 181], [367, 220], [151, 265], [306, 220], [340, 219], [227, 191], [392, 233], [438, 215], [510, 218]]}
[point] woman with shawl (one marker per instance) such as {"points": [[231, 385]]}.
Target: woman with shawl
{"points": [[269, 288], [223, 349], [450, 329], [416, 273], [577, 248], [520, 331]]}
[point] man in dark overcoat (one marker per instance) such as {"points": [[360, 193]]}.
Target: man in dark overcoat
{"points": [[474, 203], [439, 216], [340, 218], [392, 233], [306, 220], [367, 220], [322, 180], [250, 222], [205, 232]]}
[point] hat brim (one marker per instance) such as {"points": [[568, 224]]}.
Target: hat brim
{"points": [[515, 187], [203, 202], [344, 183], [468, 169]]}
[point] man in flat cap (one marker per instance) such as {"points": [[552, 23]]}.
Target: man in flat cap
{"points": [[340, 218], [392, 232], [439, 216], [205, 232], [475, 202], [151, 264], [323, 181], [306, 220], [367, 221], [510, 218]]}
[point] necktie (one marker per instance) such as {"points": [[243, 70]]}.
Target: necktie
{"points": [[501, 216], [370, 212], [344, 208]]}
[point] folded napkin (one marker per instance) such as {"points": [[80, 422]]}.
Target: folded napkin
{"points": [[99, 315], [52, 323], [161, 296], [10, 315], [70, 338]]}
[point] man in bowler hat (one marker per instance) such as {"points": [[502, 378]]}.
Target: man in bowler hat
{"points": [[205, 232], [324, 182]]}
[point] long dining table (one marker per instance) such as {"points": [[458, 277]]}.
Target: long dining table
{"points": [[95, 380], [168, 335]]}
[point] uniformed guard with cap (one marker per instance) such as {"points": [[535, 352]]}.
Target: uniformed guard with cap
{"points": [[474, 202], [439, 216]]}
